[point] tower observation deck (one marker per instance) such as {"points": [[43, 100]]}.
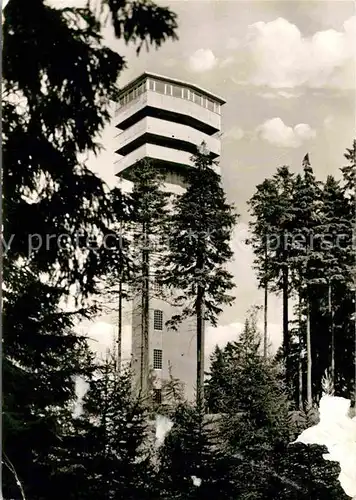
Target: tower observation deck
{"points": [[165, 120]]}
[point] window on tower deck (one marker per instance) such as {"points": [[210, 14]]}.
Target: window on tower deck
{"points": [[210, 105], [177, 91], [157, 359], [141, 89], [157, 396], [160, 87], [158, 319], [198, 99], [168, 89]]}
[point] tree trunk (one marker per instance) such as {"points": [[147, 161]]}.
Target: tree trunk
{"points": [[265, 308], [119, 329], [300, 358], [265, 326], [119, 320], [105, 409], [332, 339], [200, 349], [309, 355], [145, 313], [300, 382], [285, 323], [355, 345], [354, 276]]}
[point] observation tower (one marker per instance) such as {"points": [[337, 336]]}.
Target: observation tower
{"points": [[165, 120]]}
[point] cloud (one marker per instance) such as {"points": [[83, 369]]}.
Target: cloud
{"points": [[279, 56], [280, 94], [268, 95], [288, 95], [232, 43], [202, 60], [329, 122], [170, 63], [226, 62], [278, 134], [235, 134]]}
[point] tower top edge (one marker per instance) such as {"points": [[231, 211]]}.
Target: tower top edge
{"points": [[167, 79]]}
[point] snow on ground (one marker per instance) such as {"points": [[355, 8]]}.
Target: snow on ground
{"points": [[337, 431], [163, 426]]}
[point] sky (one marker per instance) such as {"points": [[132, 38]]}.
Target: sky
{"points": [[287, 72]]}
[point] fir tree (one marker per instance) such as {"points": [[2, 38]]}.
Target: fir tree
{"points": [[305, 257], [172, 390], [257, 429], [108, 449], [216, 384], [334, 265], [263, 206], [149, 218], [349, 186], [58, 79], [303, 473], [42, 357], [349, 170], [192, 464], [271, 208], [199, 235], [256, 421], [285, 186]]}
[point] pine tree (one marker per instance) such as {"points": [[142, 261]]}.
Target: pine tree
{"points": [[256, 421], [58, 80], [172, 390], [305, 474], [334, 266], [199, 235], [258, 429], [285, 186], [42, 357], [116, 287], [108, 450], [305, 258], [263, 229], [349, 171], [297, 357], [192, 464], [149, 218], [257, 381], [216, 384], [271, 211], [349, 181]]}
